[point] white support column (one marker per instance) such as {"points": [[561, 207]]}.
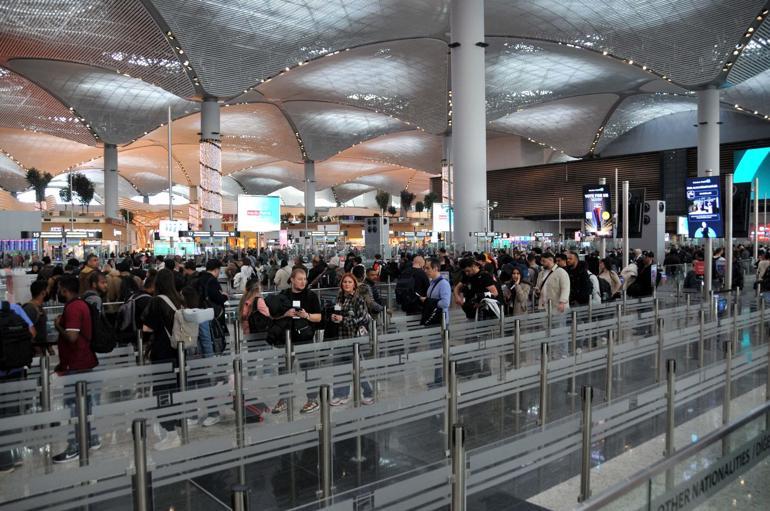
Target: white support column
{"points": [[110, 181], [469, 131], [708, 132], [708, 159], [309, 188], [210, 195]]}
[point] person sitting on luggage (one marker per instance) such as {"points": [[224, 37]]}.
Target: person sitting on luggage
{"points": [[473, 288], [352, 316]]}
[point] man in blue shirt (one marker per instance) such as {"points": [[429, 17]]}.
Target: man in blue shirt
{"points": [[439, 288], [441, 291]]}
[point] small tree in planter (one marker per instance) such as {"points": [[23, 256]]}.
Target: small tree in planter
{"points": [[383, 200], [429, 200], [39, 182], [419, 206], [84, 188], [392, 210], [407, 198], [65, 194]]}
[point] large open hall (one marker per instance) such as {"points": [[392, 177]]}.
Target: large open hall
{"points": [[384, 255]]}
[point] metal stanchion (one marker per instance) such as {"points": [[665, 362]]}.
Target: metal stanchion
{"points": [[139, 348], [240, 497], [458, 468], [45, 384], [712, 309], [701, 337], [591, 310], [502, 321], [325, 442], [356, 374], [549, 317], [610, 363], [728, 395], [240, 423], [585, 454], [573, 341], [761, 328], [659, 354], [142, 490], [734, 329], [517, 359], [236, 335], [182, 384], [619, 313], [656, 311], [374, 339], [384, 319], [452, 413], [81, 402], [445, 356], [670, 416], [687, 311], [542, 410]]}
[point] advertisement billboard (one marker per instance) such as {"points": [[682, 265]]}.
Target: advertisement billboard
{"points": [[441, 217], [597, 208], [168, 229], [259, 213], [704, 207]]}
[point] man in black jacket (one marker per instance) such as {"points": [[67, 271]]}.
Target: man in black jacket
{"points": [[579, 282], [642, 286], [211, 296]]}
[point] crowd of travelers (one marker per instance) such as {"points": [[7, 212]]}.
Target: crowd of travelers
{"points": [[168, 301]]}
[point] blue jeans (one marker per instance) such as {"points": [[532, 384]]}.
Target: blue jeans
{"points": [[344, 390], [205, 341]]}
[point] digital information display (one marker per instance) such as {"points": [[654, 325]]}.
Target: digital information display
{"points": [[597, 208], [170, 228], [259, 213], [704, 208], [441, 217]]}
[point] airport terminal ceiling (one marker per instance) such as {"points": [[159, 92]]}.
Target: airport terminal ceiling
{"points": [[360, 87]]}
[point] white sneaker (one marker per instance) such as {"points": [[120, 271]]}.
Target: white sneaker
{"points": [[192, 422], [366, 401], [211, 420], [339, 401], [170, 441]]}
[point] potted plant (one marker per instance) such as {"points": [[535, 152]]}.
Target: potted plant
{"points": [[383, 200], [39, 182]]}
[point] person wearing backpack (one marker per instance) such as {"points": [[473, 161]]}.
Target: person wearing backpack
{"points": [[36, 314], [211, 335], [75, 354], [158, 324], [412, 284], [253, 311], [129, 320], [16, 334]]}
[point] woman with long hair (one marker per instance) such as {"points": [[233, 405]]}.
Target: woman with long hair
{"points": [[252, 300], [158, 323], [352, 316]]}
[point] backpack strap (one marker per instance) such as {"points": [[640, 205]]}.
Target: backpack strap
{"points": [[6, 306], [169, 302]]}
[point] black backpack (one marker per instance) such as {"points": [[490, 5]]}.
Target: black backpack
{"points": [[258, 322], [104, 335], [605, 289], [405, 293], [583, 288], [15, 340]]}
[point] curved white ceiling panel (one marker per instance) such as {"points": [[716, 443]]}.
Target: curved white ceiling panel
{"points": [[125, 189], [118, 35], [348, 191], [282, 171], [59, 153], [234, 44], [687, 40], [753, 94], [754, 57], [405, 79], [414, 149], [260, 128], [330, 128], [340, 169], [25, 105], [12, 176], [521, 73], [567, 124], [637, 110], [119, 108], [394, 181]]}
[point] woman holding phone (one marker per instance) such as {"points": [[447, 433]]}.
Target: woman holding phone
{"points": [[352, 316]]}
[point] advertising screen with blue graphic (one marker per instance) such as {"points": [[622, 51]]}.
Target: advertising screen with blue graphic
{"points": [[753, 163], [704, 207], [259, 213]]}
